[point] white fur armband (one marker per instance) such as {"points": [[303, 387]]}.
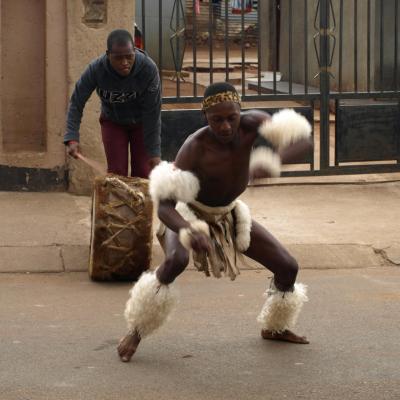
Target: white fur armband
{"points": [[266, 159], [168, 182], [285, 127], [186, 233]]}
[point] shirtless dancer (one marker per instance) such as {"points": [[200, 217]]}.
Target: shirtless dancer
{"points": [[197, 200]]}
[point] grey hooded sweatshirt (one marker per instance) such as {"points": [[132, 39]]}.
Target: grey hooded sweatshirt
{"points": [[133, 99]]}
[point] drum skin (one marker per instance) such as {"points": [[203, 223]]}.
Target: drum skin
{"points": [[121, 235]]}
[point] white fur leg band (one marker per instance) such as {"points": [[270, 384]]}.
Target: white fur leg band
{"points": [[149, 305], [243, 226], [281, 309], [285, 127], [266, 159], [185, 234]]}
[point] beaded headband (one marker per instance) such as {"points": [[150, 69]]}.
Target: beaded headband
{"points": [[220, 98]]}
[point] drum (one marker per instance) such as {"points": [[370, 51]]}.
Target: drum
{"points": [[121, 234]]}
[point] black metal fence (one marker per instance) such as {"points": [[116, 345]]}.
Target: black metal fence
{"points": [[338, 58]]}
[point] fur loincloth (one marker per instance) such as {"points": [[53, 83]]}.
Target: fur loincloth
{"points": [[229, 233]]}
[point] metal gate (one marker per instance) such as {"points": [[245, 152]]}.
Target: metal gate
{"points": [[335, 61]]}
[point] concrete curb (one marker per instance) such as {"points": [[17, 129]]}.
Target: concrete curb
{"points": [[30, 259], [74, 258]]}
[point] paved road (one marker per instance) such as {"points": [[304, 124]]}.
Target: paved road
{"points": [[59, 333]]}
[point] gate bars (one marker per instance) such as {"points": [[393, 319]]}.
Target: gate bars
{"points": [[352, 55]]}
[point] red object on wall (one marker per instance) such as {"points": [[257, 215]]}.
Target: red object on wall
{"points": [[138, 38]]}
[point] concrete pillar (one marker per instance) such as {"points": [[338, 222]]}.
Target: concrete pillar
{"points": [[23, 94], [33, 92], [87, 41]]}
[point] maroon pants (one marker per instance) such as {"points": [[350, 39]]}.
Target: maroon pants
{"points": [[118, 140]]}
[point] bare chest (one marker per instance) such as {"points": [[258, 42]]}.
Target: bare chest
{"points": [[223, 176]]}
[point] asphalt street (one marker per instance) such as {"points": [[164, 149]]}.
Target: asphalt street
{"points": [[59, 334]]}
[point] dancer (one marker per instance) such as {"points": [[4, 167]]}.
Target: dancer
{"points": [[197, 203]]}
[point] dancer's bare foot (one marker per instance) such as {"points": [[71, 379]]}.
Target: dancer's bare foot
{"points": [[285, 336], [128, 345]]}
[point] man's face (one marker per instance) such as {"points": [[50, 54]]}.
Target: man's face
{"points": [[122, 58], [224, 120]]}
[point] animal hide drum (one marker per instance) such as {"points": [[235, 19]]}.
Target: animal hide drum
{"points": [[121, 235]]}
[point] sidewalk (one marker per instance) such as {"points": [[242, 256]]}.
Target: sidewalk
{"points": [[324, 226]]}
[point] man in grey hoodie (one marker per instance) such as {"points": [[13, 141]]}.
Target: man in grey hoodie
{"points": [[127, 81]]}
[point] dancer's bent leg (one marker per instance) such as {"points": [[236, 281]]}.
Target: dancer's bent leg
{"points": [[285, 298], [153, 297]]}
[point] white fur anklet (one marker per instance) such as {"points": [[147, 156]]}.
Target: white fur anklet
{"points": [[281, 309], [266, 159], [149, 305], [285, 127], [185, 234]]}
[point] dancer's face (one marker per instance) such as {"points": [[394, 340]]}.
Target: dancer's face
{"points": [[224, 120]]}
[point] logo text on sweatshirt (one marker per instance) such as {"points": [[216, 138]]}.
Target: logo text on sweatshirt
{"points": [[115, 96]]}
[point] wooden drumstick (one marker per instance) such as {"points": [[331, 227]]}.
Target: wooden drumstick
{"points": [[92, 163]]}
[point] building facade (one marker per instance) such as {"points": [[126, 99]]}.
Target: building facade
{"points": [[45, 46]]}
